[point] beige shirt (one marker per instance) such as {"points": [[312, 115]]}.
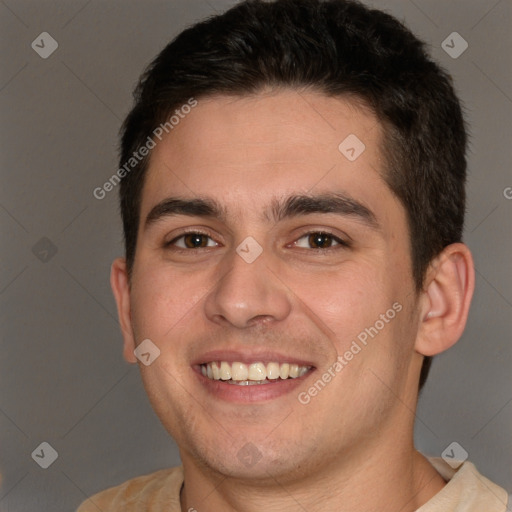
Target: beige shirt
{"points": [[466, 491]]}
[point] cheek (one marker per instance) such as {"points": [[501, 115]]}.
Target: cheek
{"points": [[161, 301], [345, 301]]}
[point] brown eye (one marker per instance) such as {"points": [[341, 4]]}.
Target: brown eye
{"points": [[318, 240], [193, 241]]}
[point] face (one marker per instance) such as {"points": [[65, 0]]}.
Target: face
{"points": [[268, 249]]}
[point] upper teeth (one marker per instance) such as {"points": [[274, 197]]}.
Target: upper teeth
{"points": [[256, 371]]}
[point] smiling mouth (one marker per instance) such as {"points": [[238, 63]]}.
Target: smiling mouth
{"points": [[241, 374]]}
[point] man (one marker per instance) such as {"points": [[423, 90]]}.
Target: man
{"points": [[292, 192]]}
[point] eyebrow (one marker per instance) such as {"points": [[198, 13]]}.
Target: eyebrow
{"points": [[280, 208], [196, 207], [336, 203]]}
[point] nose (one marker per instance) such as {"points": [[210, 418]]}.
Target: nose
{"points": [[247, 294]]}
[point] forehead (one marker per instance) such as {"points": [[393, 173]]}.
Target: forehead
{"points": [[245, 149]]}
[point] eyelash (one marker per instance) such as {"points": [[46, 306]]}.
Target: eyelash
{"points": [[341, 244], [339, 241]]}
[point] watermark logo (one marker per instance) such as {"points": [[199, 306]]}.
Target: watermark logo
{"points": [[454, 45], [44, 45], [249, 455], [45, 455], [249, 250], [454, 455], [352, 147], [44, 249], [147, 352]]}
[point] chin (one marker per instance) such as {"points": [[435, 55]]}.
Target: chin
{"points": [[260, 463]]}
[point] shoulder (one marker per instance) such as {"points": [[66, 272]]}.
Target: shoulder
{"points": [[466, 490], [149, 493]]}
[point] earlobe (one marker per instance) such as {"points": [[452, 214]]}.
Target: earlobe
{"points": [[119, 282], [446, 300]]}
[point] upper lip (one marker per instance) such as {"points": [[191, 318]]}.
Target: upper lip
{"points": [[248, 357]]}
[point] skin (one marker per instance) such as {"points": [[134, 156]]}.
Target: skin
{"points": [[351, 447]]}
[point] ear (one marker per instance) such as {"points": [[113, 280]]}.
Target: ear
{"points": [[120, 284], [445, 301]]}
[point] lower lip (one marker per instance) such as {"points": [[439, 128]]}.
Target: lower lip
{"points": [[250, 393]]}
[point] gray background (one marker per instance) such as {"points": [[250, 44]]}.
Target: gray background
{"points": [[62, 377]]}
